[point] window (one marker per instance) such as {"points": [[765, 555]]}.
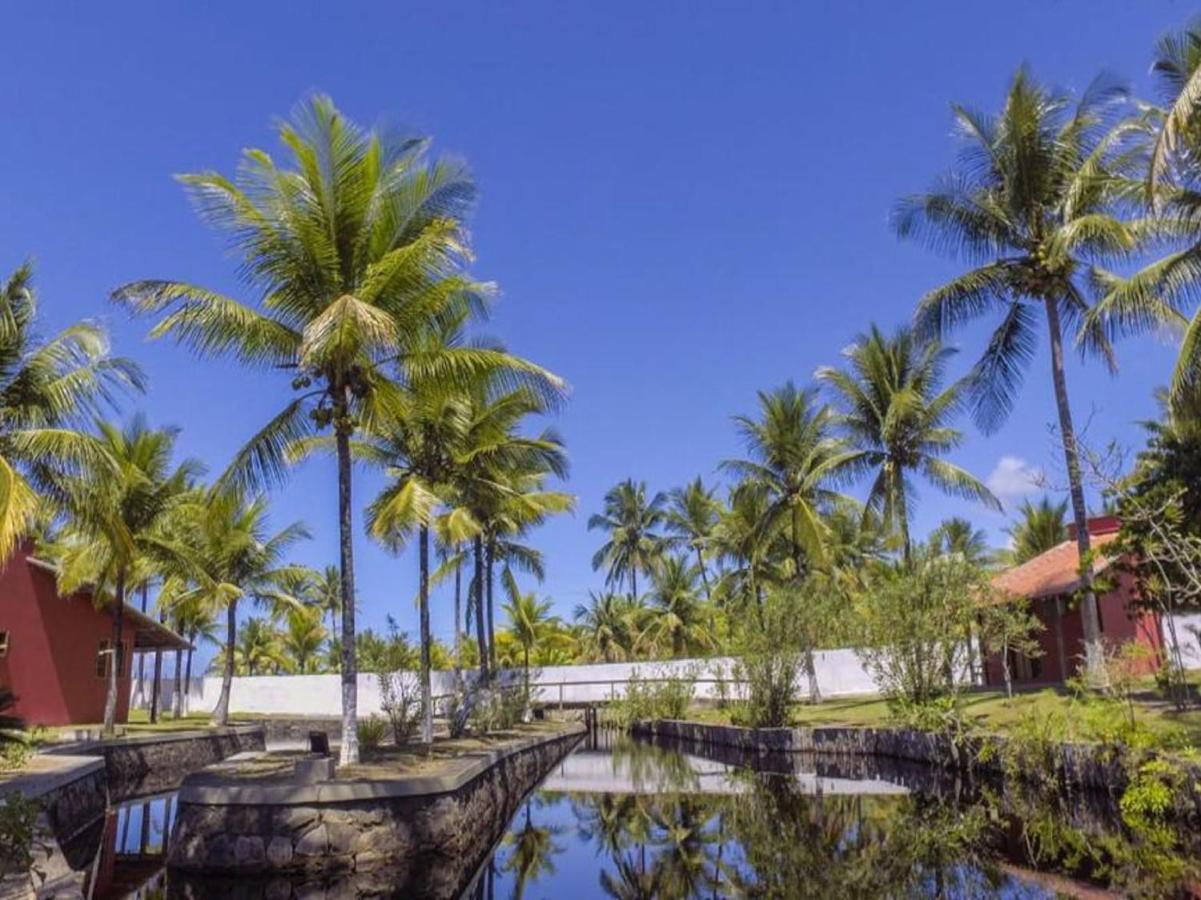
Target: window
{"points": [[3, 644], [104, 655]]}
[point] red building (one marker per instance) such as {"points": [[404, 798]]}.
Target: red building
{"points": [[55, 651], [1049, 581]]}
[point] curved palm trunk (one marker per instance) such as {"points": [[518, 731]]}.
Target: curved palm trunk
{"points": [[116, 662], [478, 588], [221, 711], [491, 553], [423, 600], [350, 694], [1093, 656]]}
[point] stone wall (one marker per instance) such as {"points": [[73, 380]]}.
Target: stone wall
{"points": [[387, 837]]}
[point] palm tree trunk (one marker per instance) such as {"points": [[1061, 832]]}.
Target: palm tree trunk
{"points": [[458, 609], [187, 683], [902, 507], [423, 602], [178, 698], [221, 711], [478, 587], [350, 693], [633, 584], [157, 686], [116, 661], [491, 553], [142, 656], [700, 561], [1093, 656]]}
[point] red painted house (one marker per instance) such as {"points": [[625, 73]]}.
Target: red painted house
{"points": [[1049, 582], [55, 650]]}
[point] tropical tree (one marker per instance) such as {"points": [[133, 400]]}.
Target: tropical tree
{"points": [[302, 638], [1039, 527], [351, 254], [632, 524], [258, 650], [198, 624], [794, 455], [895, 413], [1032, 206], [532, 851], [532, 625], [115, 518], [323, 589], [46, 389], [233, 556], [750, 554], [958, 537], [679, 621], [610, 625], [692, 513]]}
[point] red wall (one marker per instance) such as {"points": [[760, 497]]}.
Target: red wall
{"points": [[51, 660]]}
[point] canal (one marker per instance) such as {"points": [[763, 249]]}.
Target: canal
{"points": [[626, 818]]}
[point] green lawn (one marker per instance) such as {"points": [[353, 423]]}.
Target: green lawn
{"points": [[989, 710], [139, 723]]}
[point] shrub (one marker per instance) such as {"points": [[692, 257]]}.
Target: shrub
{"points": [[665, 697], [399, 697], [772, 649], [372, 732], [18, 832]]}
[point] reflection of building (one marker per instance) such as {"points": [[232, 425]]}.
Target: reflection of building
{"points": [[1049, 582], [55, 651]]}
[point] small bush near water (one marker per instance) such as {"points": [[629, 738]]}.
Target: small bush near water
{"points": [[653, 698]]}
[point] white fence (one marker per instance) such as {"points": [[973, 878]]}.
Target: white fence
{"points": [[839, 674]]}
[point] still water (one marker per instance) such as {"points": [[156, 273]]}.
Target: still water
{"points": [[624, 818]]}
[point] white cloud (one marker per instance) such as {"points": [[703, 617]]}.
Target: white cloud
{"points": [[1013, 478]]}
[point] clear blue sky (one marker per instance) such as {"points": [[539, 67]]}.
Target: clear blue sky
{"points": [[682, 202]]}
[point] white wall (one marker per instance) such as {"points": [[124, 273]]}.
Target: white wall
{"points": [[839, 673]]}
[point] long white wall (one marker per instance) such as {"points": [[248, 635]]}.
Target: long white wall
{"points": [[839, 673]]}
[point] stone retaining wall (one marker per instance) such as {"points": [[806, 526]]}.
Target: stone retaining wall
{"points": [[1090, 766], [402, 838]]}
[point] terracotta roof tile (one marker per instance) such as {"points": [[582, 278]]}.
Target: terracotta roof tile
{"points": [[1057, 571]]}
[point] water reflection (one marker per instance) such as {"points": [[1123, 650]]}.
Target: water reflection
{"points": [[629, 819]]}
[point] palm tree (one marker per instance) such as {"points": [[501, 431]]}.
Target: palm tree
{"points": [[958, 537], [301, 639], [750, 555], [323, 589], [632, 523], [692, 515], [531, 624], [1031, 202], [895, 414], [234, 557], [351, 254], [197, 623], [1154, 298], [258, 650], [1039, 528], [794, 456], [610, 625], [679, 619], [533, 848], [45, 389], [116, 515]]}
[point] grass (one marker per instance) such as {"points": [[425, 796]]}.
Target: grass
{"points": [[139, 723], [988, 710]]}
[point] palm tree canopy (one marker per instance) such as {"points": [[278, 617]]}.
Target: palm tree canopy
{"points": [[1033, 203], [957, 536], [47, 389], [632, 523], [691, 515], [896, 414], [1039, 527]]}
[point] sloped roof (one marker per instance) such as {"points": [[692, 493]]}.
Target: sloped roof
{"points": [[1054, 572], [149, 633]]}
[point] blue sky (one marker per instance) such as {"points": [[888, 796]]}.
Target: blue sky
{"points": [[683, 203]]}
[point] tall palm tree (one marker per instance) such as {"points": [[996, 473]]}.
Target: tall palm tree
{"points": [[198, 624], [679, 620], [258, 650], [1039, 528], [532, 853], [750, 555], [610, 625], [691, 516], [794, 455], [323, 589], [46, 389], [632, 523], [958, 537], [351, 254], [115, 516], [1031, 205], [1155, 297], [895, 413], [531, 624], [233, 557]]}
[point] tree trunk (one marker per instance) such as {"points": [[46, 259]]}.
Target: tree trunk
{"points": [[142, 656], [157, 686], [700, 561], [423, 601], [350, 695], [478, 588], [488, 581], [458, 609], [177, 700], [1006, 671], [902, 505], [116, 661], [221, 711], [633, 584], [185, 706], [1094, 658]]}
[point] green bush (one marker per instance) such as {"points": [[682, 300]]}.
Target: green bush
{"points": [[18, 832], [399, 698], [372, 732], [658, 698], [772, 650]]}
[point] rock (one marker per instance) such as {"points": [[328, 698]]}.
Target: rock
{"points": [[342, 837], [279, 852], [293, 818], [278, 888], [314, 842], [249, 852]]}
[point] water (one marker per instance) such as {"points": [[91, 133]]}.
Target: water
{"points": [[624, 818]]}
